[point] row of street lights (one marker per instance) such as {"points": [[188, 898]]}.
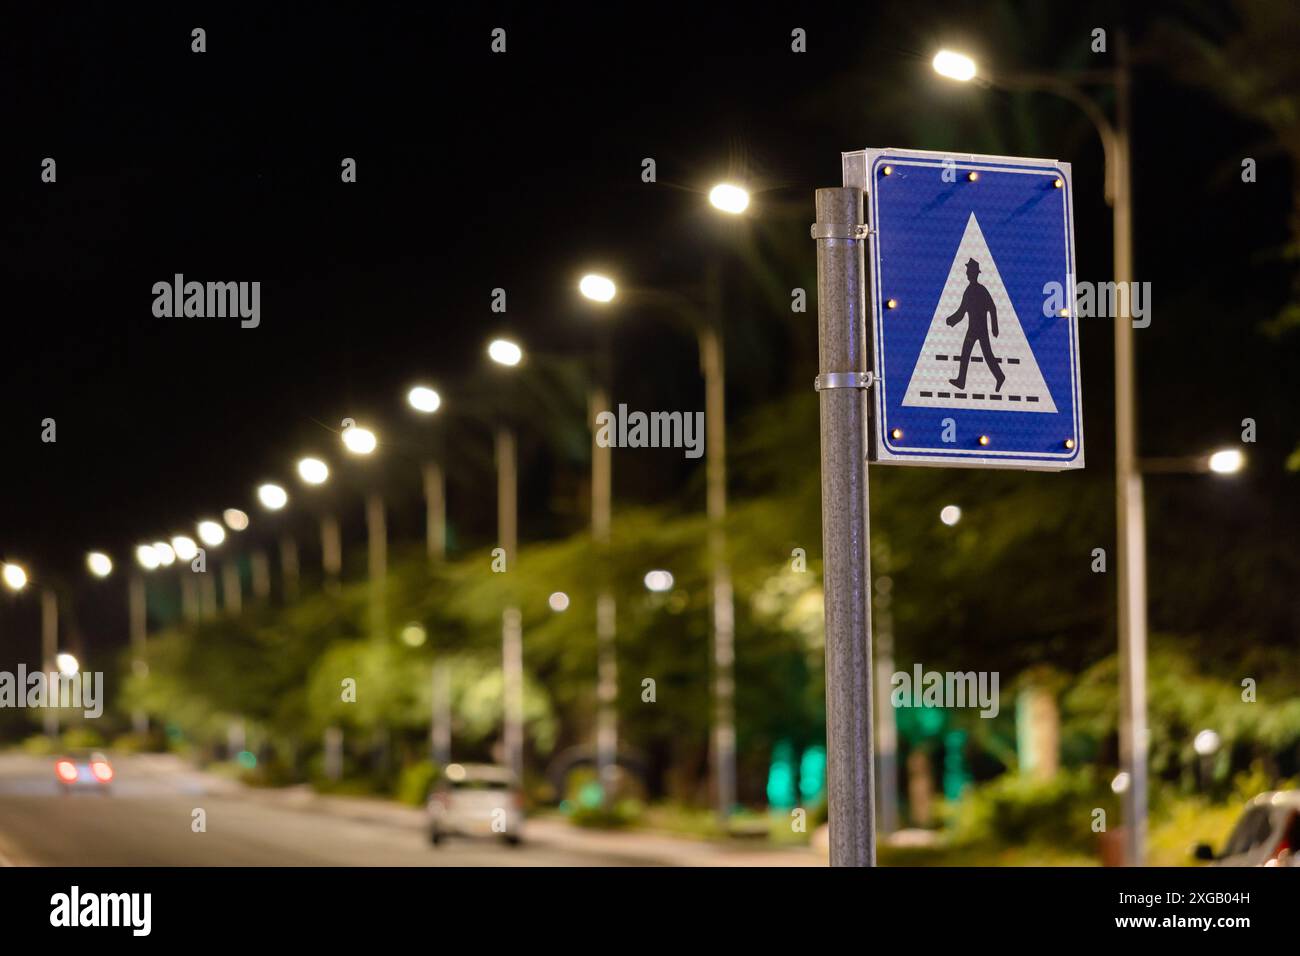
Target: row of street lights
{"points": [[361, 441]]}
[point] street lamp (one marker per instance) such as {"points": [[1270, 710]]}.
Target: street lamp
{"points": [[504, 352], [597, 288], [659, 581], [137, 602], [729, 198], [15, 577], [950, 515], [164, 553], [1129, 507], [955, 66], [509, 355], [359, 441], [100, 564], [272, 496], [602, 290], [708, 328], [211, 533], [184, 547], [1228, 461], [313, 471], [426, 401], [235, 519]]}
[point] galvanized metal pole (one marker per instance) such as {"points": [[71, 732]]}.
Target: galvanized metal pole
{"points": [[512, 644], [232, 596], [842, 360], [441, 713], [435, 513], [289, 567], [606, 608], [190, 608], [377, 534], [50, 653], [137, 612], [723, 599], [261, 574], [1129, 505], [331, 551], [207, 593]]}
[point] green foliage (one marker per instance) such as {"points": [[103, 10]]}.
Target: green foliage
{"points": [[1019, 810], [415, 782]]}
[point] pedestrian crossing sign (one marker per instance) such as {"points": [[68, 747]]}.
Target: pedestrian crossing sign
{"points": [[975, 362]]}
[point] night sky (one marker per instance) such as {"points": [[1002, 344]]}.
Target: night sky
{"points": [[522, 170]]}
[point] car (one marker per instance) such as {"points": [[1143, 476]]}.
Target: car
{"points": [[476, 800], [1267, 834], [83, 770]]}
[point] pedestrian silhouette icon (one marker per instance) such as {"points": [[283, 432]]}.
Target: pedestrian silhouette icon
{"points": [[974, 308], [978, 308]]}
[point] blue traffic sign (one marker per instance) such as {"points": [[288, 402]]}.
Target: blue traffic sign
{"points": [[974, 338]]}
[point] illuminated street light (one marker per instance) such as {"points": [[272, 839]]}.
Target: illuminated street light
{"points": [[950, 515], [424, 399], [659, 581], [235, 519], [184, 547], [505, 352], [729, 198], [559, 601], [15, 577], [414, 634], [1227, 462], [272, 496], [211, 533], [100, 564], [955, 66], [313, 471], [67, 664], [359, 441], [1206, 743], [147, 557], [598, 288], [166, 556]]}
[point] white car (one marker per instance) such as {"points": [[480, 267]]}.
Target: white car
{"points": [[83, 770], [1267, 834], [476, 800]]}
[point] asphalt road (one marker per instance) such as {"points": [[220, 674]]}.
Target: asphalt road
{"points": [[146, 821]]}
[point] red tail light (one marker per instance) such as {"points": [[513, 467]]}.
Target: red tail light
{"points": [[102, 770], [66, 770]]}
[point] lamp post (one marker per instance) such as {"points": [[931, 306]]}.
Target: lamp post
{"points": [[1129, 506], [16, 579], [732, 200], [508, 354], [232, 595], [426, 401], [601, 289], [137, 602], [314, 472], [273, 498], [362, 442]]}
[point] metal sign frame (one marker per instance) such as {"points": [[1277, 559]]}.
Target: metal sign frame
{"points": [[859, 170]]}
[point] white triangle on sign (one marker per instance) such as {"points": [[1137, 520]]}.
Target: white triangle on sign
{"points": [[931, 385]]}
